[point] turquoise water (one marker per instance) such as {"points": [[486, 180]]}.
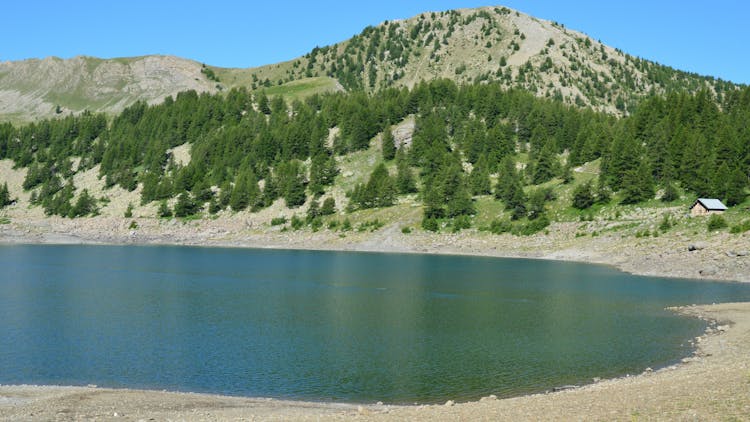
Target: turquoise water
{"points": [[330, 325]]}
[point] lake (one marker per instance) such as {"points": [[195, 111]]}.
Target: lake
{"points": [[332, 326]]}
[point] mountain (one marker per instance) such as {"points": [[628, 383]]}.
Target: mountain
{"points": [[32, 89], [489, 44], [469, 45]]}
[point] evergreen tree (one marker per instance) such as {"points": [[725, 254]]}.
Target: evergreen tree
{"points": [[670, 193], [164, 210], [323, 171], [4, 195], [185, 206], [536, 207], [735, 192], [456, 192], [292, 183], [509, 188], [313, 211], [479, 179], [379, 191], [603, 193], [263, 104], [405, 182], [546, 167], [638, 185], [434, 204], [328, 207], [583, 196], [85, 205], [245, 192], [388, 144]]}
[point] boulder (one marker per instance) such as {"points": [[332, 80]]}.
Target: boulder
{"points": [[709, 271], [697, 246]]}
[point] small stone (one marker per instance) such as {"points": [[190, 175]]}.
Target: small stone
{"points": [[697, 246], [596, 379], [649, 370], [450, 403], [709, 271], [741, 253], [380, 403]]}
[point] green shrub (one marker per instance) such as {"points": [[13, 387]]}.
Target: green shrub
{"points": [[277, 221], [666, 223], [716, 222], [500, 226], [430, 224], [461, 222], [164, 210], [297, 222], [533, 227], [133, 225], [406, 230], [741, 227]]}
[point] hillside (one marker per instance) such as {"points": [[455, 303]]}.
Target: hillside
{"points": [[492, 44], [435, 158], [33, 89], [489, 44]]}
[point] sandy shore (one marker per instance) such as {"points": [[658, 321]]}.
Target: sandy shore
{"points": [[714, 384]]}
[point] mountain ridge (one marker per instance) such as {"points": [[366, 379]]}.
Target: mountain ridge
{"points": [[492, 44]]}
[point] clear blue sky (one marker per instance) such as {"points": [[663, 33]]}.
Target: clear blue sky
{"points": [[707, 37]]}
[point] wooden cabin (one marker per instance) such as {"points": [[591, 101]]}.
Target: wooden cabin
{"points": [[706, 206]]}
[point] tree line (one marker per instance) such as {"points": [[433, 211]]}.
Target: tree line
{"points": [[248, 150]]}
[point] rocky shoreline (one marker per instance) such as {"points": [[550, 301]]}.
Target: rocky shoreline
{"points": [[707, 256]]}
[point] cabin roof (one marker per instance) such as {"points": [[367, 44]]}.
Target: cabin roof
{"points": [[710, 204]]}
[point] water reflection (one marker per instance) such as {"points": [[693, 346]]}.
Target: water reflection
{"points": [[330, 326]]}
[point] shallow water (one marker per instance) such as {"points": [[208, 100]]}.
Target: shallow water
{"points": [[332, 325]]}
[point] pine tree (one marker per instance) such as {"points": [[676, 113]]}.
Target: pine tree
{"points": [[313, 211], [735, 192], [670, 192], [4, 195], [379, 191], [546, 166], [479, 179], [185, 205], [583, 196], [405, 182], [85, 205], [638, 184], [246, 191], [328, 207], [164, 210], [291, 183], [388, 144], [456, 193], [323, 171], [536, 207]]}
